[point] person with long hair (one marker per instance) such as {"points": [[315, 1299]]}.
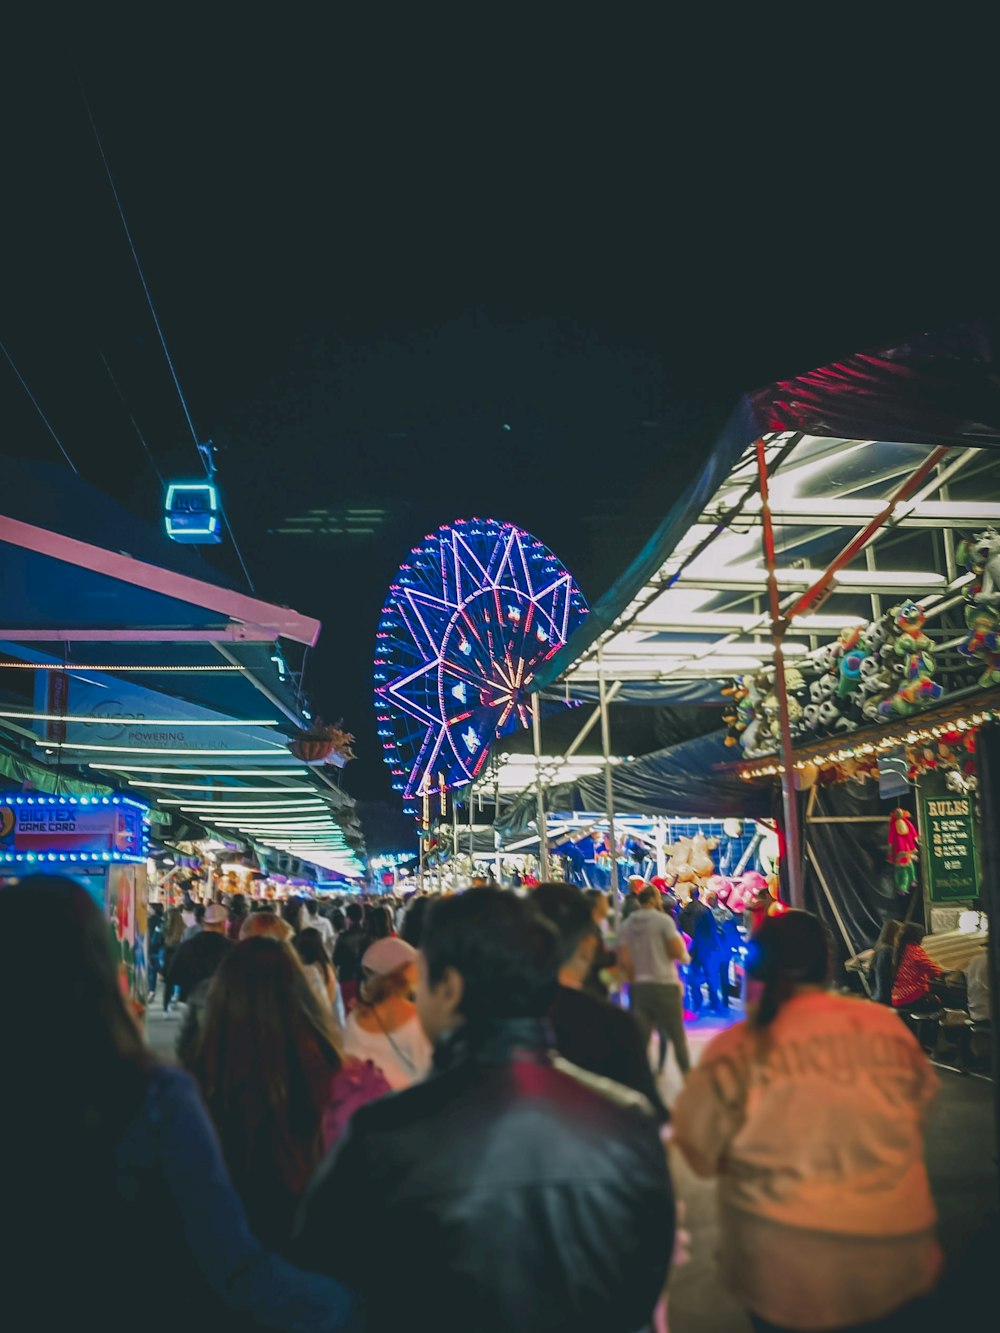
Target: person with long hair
{"points": [[811, 1113], [113, 1157], [310, 947], [383, 1025], [266, 1063], [173, 934]]}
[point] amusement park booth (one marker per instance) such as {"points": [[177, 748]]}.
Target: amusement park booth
{"points": [[101, 842]]}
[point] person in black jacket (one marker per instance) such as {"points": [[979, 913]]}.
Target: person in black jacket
{"points": [[588, 1031], [347, 953], [532, 1196], [697, 920], [195, 964]]}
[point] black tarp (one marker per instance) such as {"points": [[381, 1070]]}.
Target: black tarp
{"points": [[853, 861], [680, 782]]}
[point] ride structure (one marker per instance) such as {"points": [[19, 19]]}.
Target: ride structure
{"points": [[473, 613]]}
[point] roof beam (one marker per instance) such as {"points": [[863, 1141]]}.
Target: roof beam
{"points": [[280, 620], [234, 633]]}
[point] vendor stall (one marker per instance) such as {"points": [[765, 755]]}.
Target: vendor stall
{"points": [[99, 841]]}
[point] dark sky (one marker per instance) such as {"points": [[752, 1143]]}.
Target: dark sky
{"points": [[372, 251]]}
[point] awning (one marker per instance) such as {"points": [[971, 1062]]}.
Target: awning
{"points": [[840, 440]]}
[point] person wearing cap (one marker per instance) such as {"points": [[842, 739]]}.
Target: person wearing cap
{"points": [[636, 884], [383, 1026], [195, 964]]}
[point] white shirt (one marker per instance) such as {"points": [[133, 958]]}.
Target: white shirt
{"points": [[646, 934], [977, 982], [404, 1056]]}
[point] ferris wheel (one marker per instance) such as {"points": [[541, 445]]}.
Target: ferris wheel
{"points": [[476, 609]]}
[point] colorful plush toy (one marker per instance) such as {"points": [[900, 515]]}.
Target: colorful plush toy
{"points": [[983, 641], [902, 850], [917, 689]]}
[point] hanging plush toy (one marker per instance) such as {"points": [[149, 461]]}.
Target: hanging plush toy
{"points": [[701, 863], [983, 641], [902, 850], [916, 689]]}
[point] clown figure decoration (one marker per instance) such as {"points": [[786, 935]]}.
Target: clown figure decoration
{"points": [[902, 850]]}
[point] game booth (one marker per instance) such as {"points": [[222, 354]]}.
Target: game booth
{"points": [[101, 842]]}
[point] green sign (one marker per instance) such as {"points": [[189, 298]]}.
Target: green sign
{"points": [[949, 843]]}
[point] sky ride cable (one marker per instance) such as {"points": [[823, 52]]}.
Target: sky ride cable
{"points": [[159, 330]]}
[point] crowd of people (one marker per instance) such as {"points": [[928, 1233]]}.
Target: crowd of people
{"points": [[431, 1112]]}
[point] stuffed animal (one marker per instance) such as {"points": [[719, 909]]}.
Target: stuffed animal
{"points": [[984, 554], [916, 689], [701, 863], [902, 853], [983, 641]]}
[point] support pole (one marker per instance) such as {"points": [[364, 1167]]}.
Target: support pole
{"points": [[609, 793], [497, 840], [472, 836], [660, 834], [793, 837], [543, 832], [454, 843]]}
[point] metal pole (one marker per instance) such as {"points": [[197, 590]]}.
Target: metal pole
{"points": [[660, 834], [472, 840], [454, 843], [543, 832], [422, 836], [497, 840], [609, 795], [793, 837]]}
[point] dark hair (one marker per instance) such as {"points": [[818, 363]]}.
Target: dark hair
{"points": [[909, 933], [337, 919], [173, 928], [594, 896], [290, 911], [265, 1060], [310, 948], [312, 906], [76, 1073], [787, 951], [570, 913], [237, 906], [199, 913], [694, 895], [887, 935], [505, 951], [413, 920], [378, 924], [355, 913], [650, 894]]}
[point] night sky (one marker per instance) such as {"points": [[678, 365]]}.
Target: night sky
{"points": [[506, 274]]}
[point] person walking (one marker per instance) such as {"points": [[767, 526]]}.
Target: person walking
{"points": [[313, 919], [116, 1159], [237, 915], [154, 948], [534, 1197], [195, 963], [347, 953], [730, 940], [698, 921], [266, 1064], [383, 1026], [649, 949], [319, 971], [173, 933], [811, 1113], [588, 1031]]}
